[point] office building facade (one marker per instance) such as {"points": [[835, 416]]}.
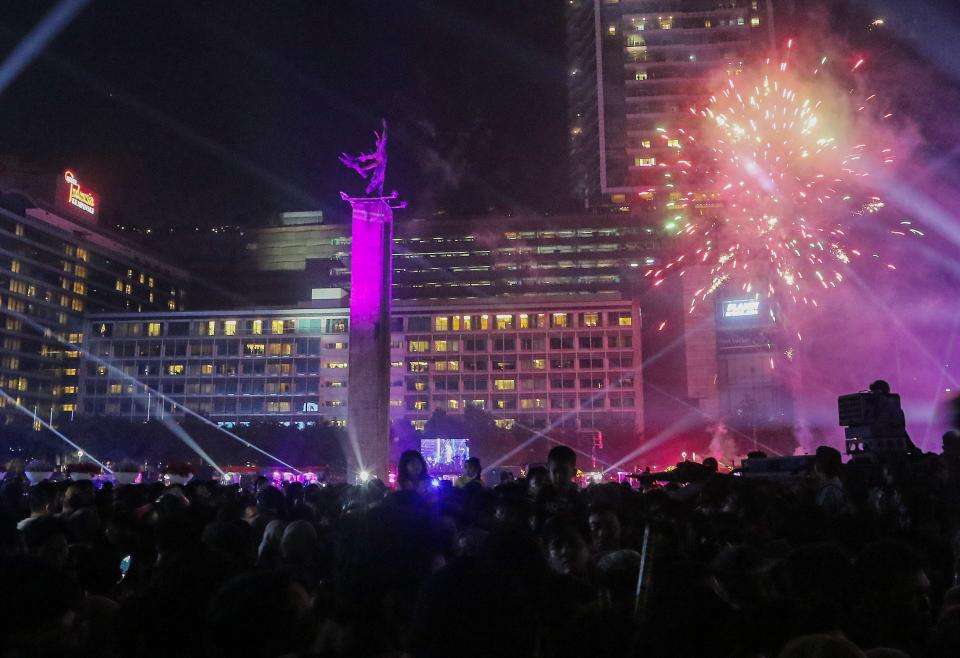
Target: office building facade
{"points": [[539, 363], [54, 268]]}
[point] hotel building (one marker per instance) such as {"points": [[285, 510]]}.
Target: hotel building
{"points": [[56, 265], [538, 362]]}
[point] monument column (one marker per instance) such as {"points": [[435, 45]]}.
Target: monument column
{"points": [[368, 381], [371, 270]]}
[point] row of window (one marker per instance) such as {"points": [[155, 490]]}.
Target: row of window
{"points": [[511, 321], [614, 361], [222, 327], [626, 401], [526, 343], [156, 348], [594, 382]]}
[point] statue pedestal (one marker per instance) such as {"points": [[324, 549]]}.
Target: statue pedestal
{"points": [[368, 394]]}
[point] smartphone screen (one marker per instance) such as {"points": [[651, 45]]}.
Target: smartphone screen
{"points": [[125, 566]]}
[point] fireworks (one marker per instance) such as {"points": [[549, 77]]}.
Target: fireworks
{"points": [[783, 161]]}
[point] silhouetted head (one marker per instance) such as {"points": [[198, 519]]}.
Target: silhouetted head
{"points": [[828, 461], [471, 467], [561, 465], [880, 387]]}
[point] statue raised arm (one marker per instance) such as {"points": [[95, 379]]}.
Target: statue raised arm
{"points": [[371, 165]]}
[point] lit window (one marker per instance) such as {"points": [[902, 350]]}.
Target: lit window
{"points": [[708, 23], [257, 327], [441, 323], [453, 366], [175, 369], [484, 322], [439, 346], [644, 162], [558, 320], [336, 364], [171, 305], [641, 75], [504, 384], [206, 369], [740, 20], [211, 328], [418, 366], [419, 386], [396, 403], [673, 143], [453, 404], [524, 321], [666, 23], [70, 372], [15, 266], [754, 21], [255, 349], [612, 30], [116, 388], [418, 346], [153, 329], [504, 423], [276, 326], [645, 143], [418, 424], [230, 327], [625, 321], [504, 322], [539, 364], [142, 278], [591, 319], [69, 407]]}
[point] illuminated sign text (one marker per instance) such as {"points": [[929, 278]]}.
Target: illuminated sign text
{"points": [[77, 196], [741, 308]]}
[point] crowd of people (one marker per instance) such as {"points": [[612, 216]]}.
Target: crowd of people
{"points": [[843, 561]]}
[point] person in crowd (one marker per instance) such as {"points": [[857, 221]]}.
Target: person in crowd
{"points": [[471, 475], [43, 500], [831, 495], [732, 567], [605, 528], [412, 474]]}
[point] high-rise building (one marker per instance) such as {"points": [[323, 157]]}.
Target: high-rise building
{"points": [[635, 67], [55, 266], [460, 258]]}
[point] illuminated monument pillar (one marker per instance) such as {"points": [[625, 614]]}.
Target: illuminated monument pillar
{"points": [[371, 268]]}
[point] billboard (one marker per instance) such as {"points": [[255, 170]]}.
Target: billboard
{"points": [[74, 197], [445, 455], [741, 308]]}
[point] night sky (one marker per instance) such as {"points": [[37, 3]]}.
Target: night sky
{"points": [[204, 113]]}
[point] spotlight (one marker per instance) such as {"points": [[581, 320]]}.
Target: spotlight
{"points": [[363, 476]]}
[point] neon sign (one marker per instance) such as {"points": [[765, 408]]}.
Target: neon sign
{"points": [[741, 308], [77, 196]]}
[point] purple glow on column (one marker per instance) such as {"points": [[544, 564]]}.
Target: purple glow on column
{"points": [[370, 275]]}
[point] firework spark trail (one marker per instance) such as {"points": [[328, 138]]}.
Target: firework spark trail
{"points": [[780, 152]]}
